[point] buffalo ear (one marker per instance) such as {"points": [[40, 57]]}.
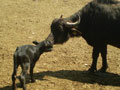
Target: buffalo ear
{"points": [[61, 16], [74, 32]]}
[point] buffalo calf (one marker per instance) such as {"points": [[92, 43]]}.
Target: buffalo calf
{"points": [[26, 56]]}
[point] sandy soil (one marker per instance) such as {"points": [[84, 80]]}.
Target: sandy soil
{"points": [[22, 21]]}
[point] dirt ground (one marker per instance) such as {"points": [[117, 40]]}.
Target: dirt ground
{"points": [[22, 21]]}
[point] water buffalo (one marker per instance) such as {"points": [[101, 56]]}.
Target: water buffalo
{"points": [[98, 23]]}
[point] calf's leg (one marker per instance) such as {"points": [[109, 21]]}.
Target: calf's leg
{"points": [[14, 73], [25, 67], [14, 77], [31, 71]]}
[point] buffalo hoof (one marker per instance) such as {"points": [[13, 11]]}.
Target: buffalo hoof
{"points": [[102, 70], [91, 70]]}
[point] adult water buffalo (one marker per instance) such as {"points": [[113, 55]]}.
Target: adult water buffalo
{"points": [[98, 23]]}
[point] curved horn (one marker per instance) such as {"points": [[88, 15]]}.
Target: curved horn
{"points": [[73, 24], [61, 16]]}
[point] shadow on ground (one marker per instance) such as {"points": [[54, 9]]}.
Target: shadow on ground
{"points": [[83, 77], [79, 76]]}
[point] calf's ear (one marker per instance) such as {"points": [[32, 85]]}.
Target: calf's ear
{"points": [[35, 42]]}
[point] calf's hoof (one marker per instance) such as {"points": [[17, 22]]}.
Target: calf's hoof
{"points": [[32, 81], [13, 88]]}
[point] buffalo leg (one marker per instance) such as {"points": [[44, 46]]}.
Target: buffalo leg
{"points": [[95, 55], [104, 59]]}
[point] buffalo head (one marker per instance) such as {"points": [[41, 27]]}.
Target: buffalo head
{"points": [[62, 29]]}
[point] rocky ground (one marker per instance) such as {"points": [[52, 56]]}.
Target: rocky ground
{"points": [[22, 21]]}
